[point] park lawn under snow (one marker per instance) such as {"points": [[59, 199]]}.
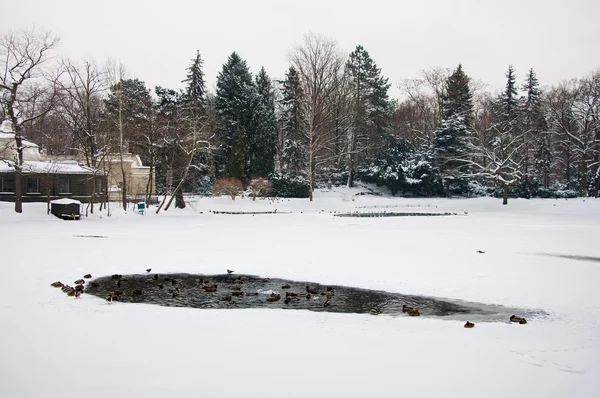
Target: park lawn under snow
{"points": [[52, 345]]}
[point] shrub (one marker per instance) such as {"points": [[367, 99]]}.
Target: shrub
{"points": [[227, 185], [285, 186], [260, 186]]}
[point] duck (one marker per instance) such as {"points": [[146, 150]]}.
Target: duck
{"points": [[155, 276], [266, 280], [109, 299], [210, 289], [291, 294], [149, 269], [414, 313], [374, 311], [285, 286], [230, 271], [469, 325], [226, 298], [71, 293], [94, 284], [518, 319], [311, 290], [235, 287], [78, 293], [251, 293], [79, 282], [327, 303], [237, 293], [57, 284], [88, 276], [116, 276], [406, 308]]}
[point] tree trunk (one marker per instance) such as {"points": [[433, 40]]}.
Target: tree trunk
{"points": [[505, 195]]}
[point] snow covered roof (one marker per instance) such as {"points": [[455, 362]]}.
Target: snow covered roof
{"points": [[50, 167], [7, 133], [65, 201]]}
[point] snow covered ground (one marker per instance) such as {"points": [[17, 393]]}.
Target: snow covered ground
{"points": [[51, 344]]}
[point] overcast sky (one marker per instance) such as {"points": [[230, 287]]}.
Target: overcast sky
{"points": [[156, 40]]}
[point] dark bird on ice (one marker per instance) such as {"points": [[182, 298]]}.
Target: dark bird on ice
{"points": [[149, 269], [109, 299], [480, 251], [469, 325], [230, 271], [406, 308]]}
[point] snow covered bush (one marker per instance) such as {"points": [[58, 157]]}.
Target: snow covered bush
{"points": [[285, 186], [227, 186]]}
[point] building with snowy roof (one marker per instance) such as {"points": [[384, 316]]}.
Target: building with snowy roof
{"points": [[46, 179]]}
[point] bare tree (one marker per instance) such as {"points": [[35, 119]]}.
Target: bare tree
{"points": [[574, 110], [319, 64], [22, 55]]}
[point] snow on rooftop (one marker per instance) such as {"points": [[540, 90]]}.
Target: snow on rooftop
{"points": [[65, 201], [49, 167]]}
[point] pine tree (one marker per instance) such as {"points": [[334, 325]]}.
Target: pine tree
{"points": [[293, 158], [452, 135], [234, 105], [371, 106]]}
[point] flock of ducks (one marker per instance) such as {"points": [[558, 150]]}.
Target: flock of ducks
{"points": [[235, 290]]}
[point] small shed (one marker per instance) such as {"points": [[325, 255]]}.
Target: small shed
{"points": [[67, 209]]}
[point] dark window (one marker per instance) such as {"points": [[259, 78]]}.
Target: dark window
{"points": [[33, 185], [7, 184], [65, 185]]}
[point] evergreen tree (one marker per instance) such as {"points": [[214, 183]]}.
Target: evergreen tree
{"points": [[234, 105], [371, 106], [508, 105], [293, 158], [194, 95], [263, 147], [458, 99], [534, 123], [451, 138]]}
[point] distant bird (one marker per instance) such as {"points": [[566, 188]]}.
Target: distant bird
{"points": [[87, 276], [311, 290], [155, 276], [406, 308], [230, 271], [109, 299], [79, 282], [414, 313], [226, 298], [480, 251], [149, 269], [518, 319], [57, 284], [285, 286], [94, 284], [78, 293], [374, 311], [469, 325]]}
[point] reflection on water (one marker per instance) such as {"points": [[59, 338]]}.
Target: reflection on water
{"points": [[248, 291]]}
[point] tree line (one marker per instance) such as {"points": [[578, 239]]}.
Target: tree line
{"points": [[330, 120]]}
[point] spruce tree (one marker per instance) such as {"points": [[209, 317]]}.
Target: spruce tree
{"points": [[534, 123], [293, 157], [234, 104], [458, 99], [194, 95], [262, 149], [452, 135]]}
